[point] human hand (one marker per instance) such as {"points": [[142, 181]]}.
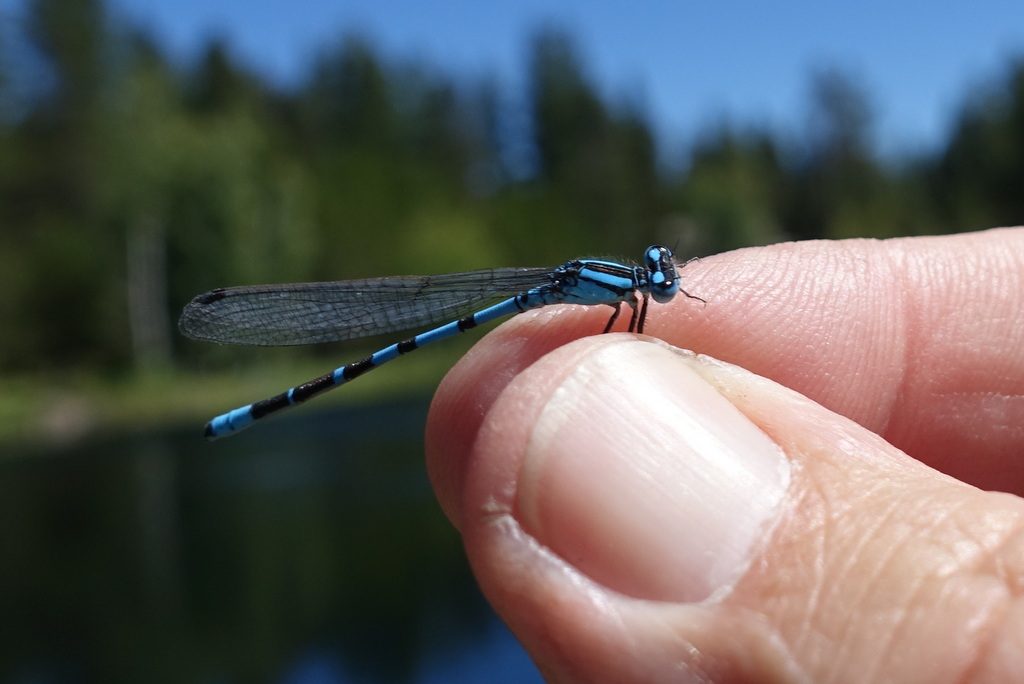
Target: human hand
{"points": [[638, 513]]}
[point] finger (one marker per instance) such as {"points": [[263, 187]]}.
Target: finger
{"points": [[920, 340], [616, 483]]}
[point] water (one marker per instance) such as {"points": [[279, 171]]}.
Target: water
{"points": [[275, 556]]}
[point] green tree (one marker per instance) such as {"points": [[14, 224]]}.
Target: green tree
{"points": [[734, 191], [52, 214], [599, 166], [837, 189], [128, 185], [978, 178]]}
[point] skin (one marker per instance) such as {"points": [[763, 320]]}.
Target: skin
{"points": [[889, 375]]}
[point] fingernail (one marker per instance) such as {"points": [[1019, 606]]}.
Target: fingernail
{"points": [[641, 475]]}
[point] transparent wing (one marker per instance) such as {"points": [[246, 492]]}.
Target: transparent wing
{"points": [[311, 313]]}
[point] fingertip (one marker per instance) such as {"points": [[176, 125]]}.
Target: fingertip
{"points": [[469, 390], [676, 547], [871, 546]]}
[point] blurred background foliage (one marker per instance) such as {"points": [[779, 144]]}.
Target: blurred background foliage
{"points": [[128, 184]]}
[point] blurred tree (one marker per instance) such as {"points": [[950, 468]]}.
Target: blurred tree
{"points": [[346, 102], [979, 177], [71, 33], [837, 180], [247, 212], [127, 185], [733, 193], [144, 147], [601, 167], [347, 134], [11, 256], [52, 214], [391, 147], [218, 85], [570, 121]]}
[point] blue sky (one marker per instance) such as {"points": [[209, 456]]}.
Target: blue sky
{"points": [[688, 62]]}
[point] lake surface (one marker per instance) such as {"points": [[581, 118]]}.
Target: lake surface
{"points": [[306, 549]]}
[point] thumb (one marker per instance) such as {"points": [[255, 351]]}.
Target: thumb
{"points": [[638, 513]]}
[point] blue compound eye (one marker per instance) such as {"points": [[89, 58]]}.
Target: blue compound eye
{"points": [[662, 274]]}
